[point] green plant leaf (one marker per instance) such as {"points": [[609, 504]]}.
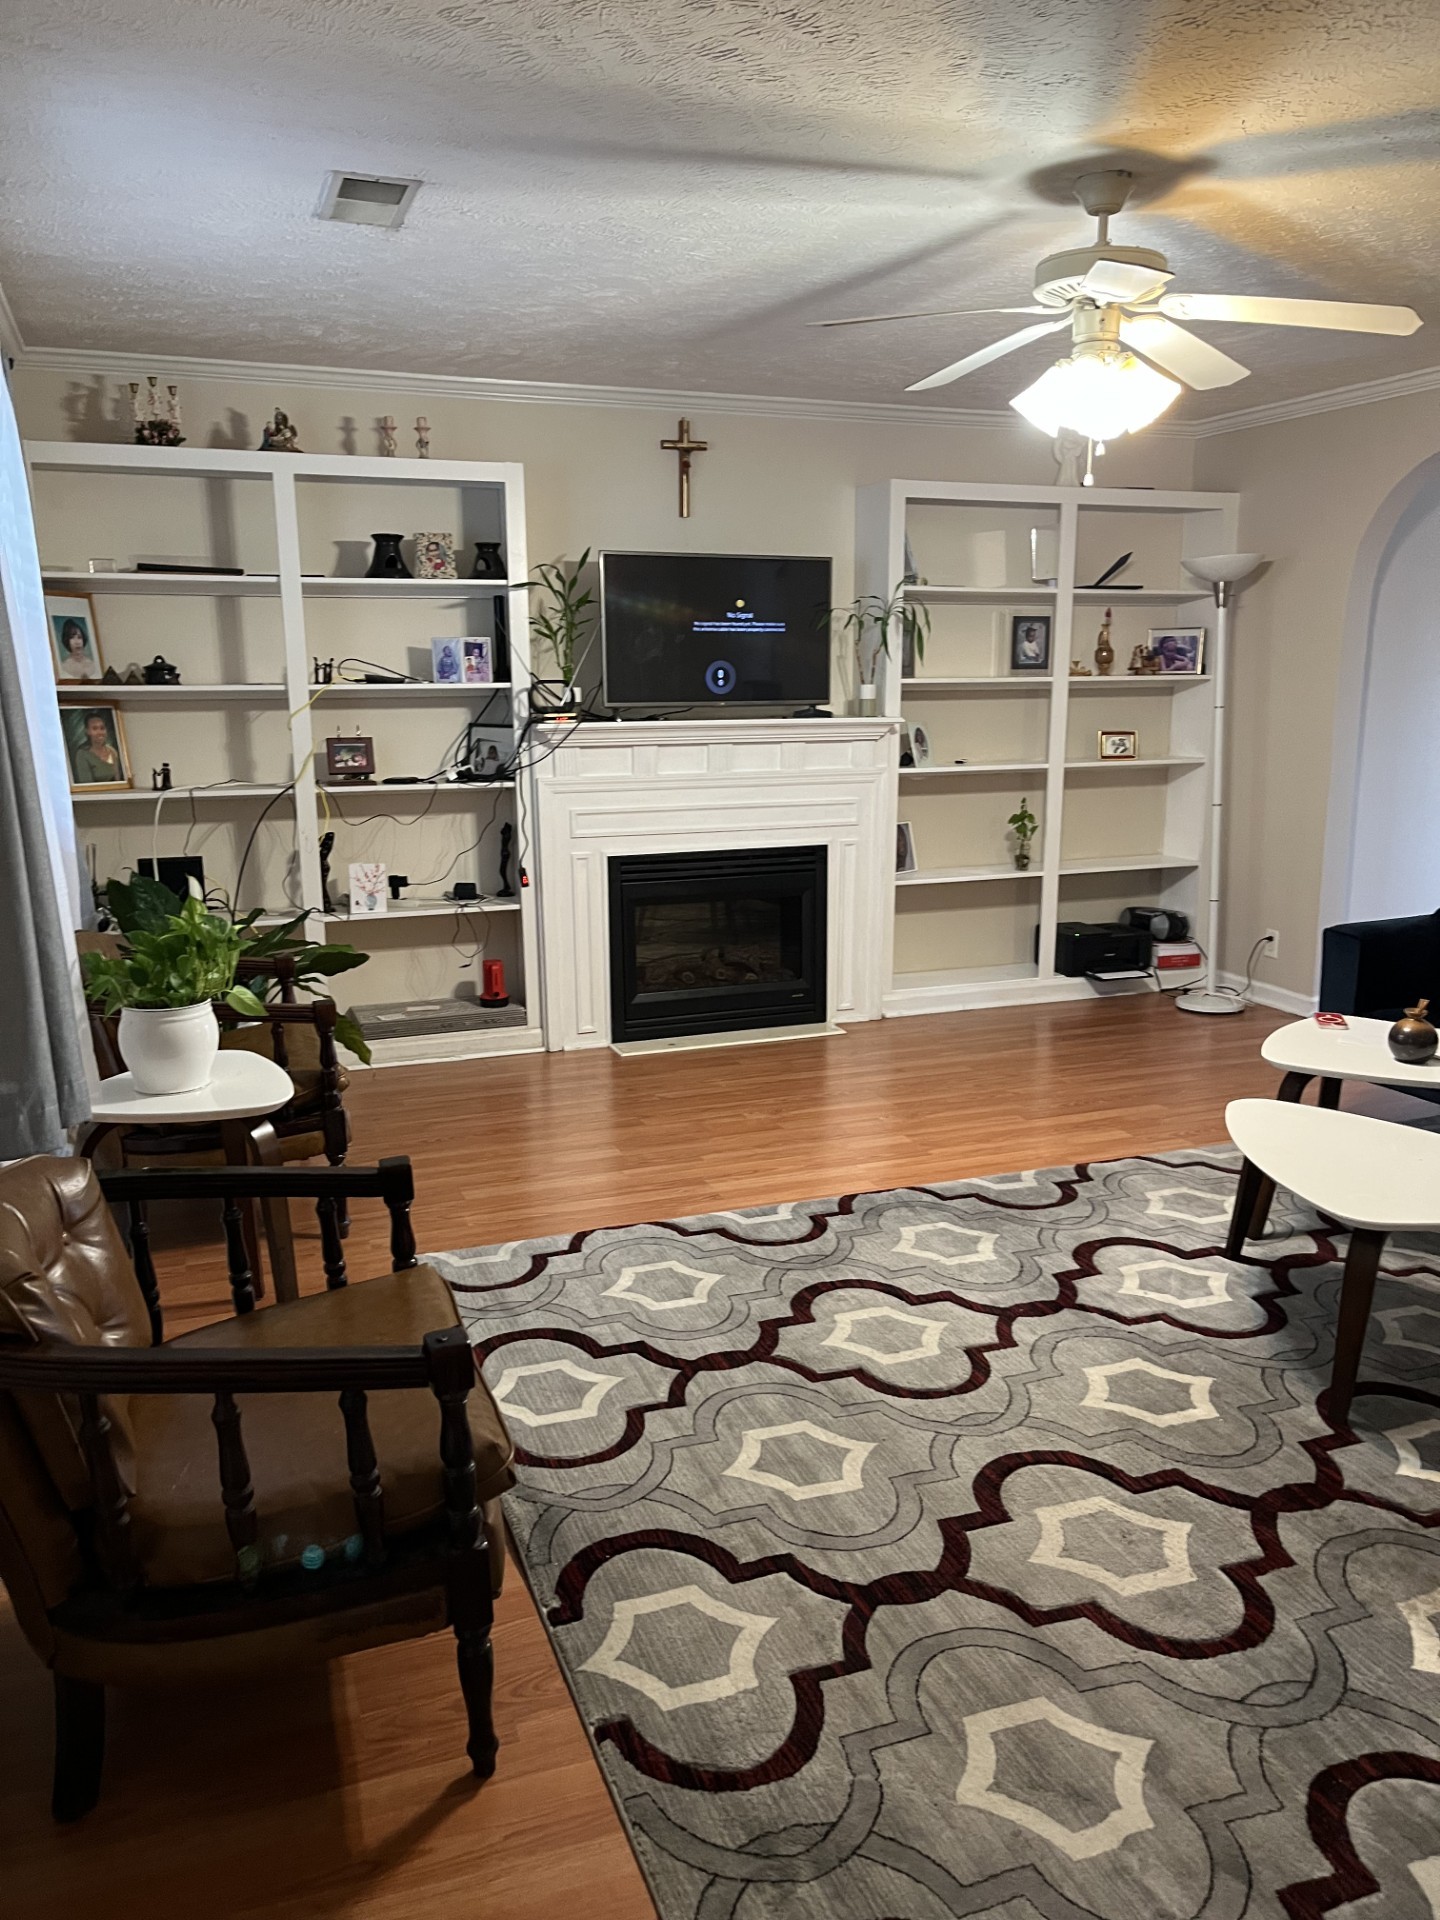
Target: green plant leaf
{"points": [[141, 904], [348, 1033], [242, 1000]]}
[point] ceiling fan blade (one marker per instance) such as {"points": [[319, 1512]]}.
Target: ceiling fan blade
{"points": [[1343, 316], [1189, 358], [930, 313], [1118, 280], [995, 351]]}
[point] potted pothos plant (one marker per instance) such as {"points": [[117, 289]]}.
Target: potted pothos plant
{"points": [[272, 955], [869, 620], [1024, 826], [564, 623], [164, 987]]}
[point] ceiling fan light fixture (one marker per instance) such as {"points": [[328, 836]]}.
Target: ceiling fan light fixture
{"points": [[1100, 394]]}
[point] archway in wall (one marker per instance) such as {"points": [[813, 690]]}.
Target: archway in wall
{"points": [[1382, 851]]}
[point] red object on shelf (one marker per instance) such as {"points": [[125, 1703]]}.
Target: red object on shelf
{"points": [[492, 989], [1173, 956]]}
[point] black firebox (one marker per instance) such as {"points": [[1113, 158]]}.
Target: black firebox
{"points": [[708, 942]]}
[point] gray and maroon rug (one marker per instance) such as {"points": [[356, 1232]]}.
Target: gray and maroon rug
{"points": [[982, 1549]]}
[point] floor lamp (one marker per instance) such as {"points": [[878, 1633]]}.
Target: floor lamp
{"points": [[1221, 572]]}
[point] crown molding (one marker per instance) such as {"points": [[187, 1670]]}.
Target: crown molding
{"points": [[129, 366], [1367, 393], [80, 362]]}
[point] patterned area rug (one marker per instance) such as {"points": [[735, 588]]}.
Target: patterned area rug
{"points": [[981, 1550]]}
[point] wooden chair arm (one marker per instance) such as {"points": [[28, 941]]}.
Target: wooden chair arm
{"points": [[201, 1370]]}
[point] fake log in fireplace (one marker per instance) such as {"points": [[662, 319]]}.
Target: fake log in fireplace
{"points": [[712, 942]]}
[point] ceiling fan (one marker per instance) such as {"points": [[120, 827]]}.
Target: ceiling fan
{"points": [[1125, 345]]}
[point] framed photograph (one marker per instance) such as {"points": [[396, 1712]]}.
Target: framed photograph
{"points": [[920, 745], [1178, 649], [905, 861], [1030, 642], [350, 758], [1118, 743], [435, 556], [446, 662], [477, 661], [74, 637], [95, 749], [368, 891]]}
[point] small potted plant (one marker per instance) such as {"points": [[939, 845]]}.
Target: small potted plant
{"points": [[163, 987], [564, 625], [1024, 826], [868, 620]]}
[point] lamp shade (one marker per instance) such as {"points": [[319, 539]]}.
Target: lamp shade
{"points": [[1100, 394], [1218, 568]]}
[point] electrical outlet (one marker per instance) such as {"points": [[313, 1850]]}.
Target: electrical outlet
{"points": [[1271, 949]]}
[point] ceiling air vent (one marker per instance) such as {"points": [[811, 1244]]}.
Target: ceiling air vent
{"points": [[366, 199]]}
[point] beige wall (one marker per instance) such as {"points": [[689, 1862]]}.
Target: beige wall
{"points": [[1310, 489]]}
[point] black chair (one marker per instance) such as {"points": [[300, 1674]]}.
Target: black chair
{"points": [[1377, 968]]}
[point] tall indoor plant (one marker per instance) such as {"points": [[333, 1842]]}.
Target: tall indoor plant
{"points": [[164, 986], [564, 623], [869, 620]]}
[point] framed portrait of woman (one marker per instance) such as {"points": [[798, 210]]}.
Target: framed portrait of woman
{"points": [[95, 749], [74, 637]]}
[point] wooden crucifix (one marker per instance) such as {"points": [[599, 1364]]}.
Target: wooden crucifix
{"points": [[685, 447]]}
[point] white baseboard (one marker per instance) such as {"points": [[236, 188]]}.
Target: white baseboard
{"points": [[1283, 999]]}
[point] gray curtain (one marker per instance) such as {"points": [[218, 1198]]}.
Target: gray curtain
{"points": [[43, 1087]]}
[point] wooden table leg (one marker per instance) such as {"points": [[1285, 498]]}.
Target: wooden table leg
{"points": [[265, 1150], [1357, 1289], [235, 1145], [1242, 1218], [1329, 1094], [1293, 1085]]}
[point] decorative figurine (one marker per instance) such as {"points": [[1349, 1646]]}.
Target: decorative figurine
{"points": [[322, 672], [387, 562], [507, 848], [1104, 652], [489, 561], [422, 438], [1077, 672], [387, 437], [1137, 657], [160, 781], [161, 673], [156, 421], [327, 847], [1068, 447], [280, 435]]}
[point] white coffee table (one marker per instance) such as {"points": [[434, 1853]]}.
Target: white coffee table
{"points": [[1306, 1051], [243, 1089], [1374, 1176]]}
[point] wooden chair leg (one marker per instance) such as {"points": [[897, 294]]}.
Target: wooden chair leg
{"points": [[79, 1746], [279, 1234], [235, 1146], [472, 1609], [1242, 1217], [343, 1221], [1357, 1289]]}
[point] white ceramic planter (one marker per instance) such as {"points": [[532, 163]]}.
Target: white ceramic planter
{"points": [[169, 1049]]}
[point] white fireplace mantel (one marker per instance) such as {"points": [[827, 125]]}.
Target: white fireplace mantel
{"points": [[680, 786]]}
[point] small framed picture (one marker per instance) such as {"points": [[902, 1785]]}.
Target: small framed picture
{"points": [[920, 745], [368, 892], [74, 637], [446, 662], [477, 661], [905, 861], [1118, 743], [1030, 643], [435, 556], [350, 758], [1178, 649], [95, 748]]}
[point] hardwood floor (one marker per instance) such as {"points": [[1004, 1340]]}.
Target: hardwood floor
{"points": [[344, 1791]]}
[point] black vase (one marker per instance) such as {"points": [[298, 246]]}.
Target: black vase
{"points": [[489, 561], [386, 562]]}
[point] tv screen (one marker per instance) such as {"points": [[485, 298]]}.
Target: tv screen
{"points": [[693, 629]]}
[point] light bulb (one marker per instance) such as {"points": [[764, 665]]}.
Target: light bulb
{"points": [[1100, 394]]}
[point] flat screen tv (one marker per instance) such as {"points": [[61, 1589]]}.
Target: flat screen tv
{"points": [[701, 629]]}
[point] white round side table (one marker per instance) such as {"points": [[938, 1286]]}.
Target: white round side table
{"points": [[243, 1089], [1306, 1051]]}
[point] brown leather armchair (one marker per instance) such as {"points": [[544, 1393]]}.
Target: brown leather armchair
{"points": [[294, 1484]]}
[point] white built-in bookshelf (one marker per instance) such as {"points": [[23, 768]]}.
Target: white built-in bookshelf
{"points": [[245, 730], [1113, 833]]}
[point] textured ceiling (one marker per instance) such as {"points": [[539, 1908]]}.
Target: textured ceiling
{"points": [[660, 193]]}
